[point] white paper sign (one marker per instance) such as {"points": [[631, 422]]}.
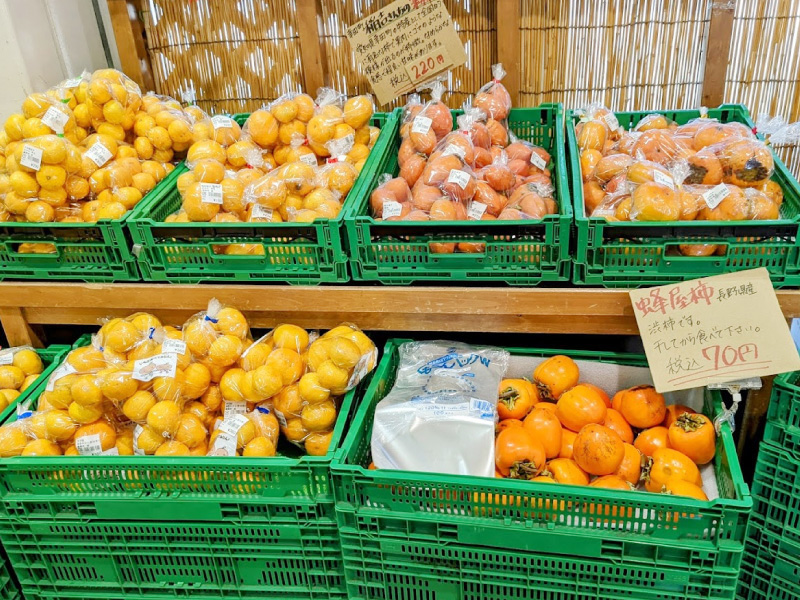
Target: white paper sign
{"points": [[174, 346], [31, 157], [611, 121], [460, 178], [221, 121], [663, 179], [211, 193], [98, 154], [6, 357], [160, 365], [392, 209], [476, 210], [716, 195], [55, 119], [224, 445], [537, 161], [421, 125]]}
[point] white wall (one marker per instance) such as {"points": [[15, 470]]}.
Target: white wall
{"points": [[43, 42]]}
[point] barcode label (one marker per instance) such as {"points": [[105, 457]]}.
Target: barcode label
{"points": [[309, 159], [211, 193], [98, 154], [537, 161], [89, 445], [31, 157], [611, 121], [261, 212], [234, 408]]}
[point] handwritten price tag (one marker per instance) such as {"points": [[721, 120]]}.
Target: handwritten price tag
{"points": [[428, 65], [713, 330]]}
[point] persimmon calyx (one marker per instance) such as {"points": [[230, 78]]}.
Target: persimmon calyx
{"points": [[523, 469], [509, 397], [690, 422]]}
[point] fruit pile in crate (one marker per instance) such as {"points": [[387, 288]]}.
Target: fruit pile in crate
{"points": [[576, 475], [207, 388]]}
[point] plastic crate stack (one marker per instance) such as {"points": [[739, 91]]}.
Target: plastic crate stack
{"points": [[771, 565], [426, 536]]}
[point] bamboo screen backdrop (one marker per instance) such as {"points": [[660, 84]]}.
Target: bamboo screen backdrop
{"points": [[236, 55]]}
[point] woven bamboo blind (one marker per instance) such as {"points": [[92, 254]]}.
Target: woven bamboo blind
{"points": [[764, 68], [231, 56], [474, 20], [626, 54]]}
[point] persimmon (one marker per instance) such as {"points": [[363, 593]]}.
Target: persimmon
{"points": [[498, 474], [650, 440], [567, 441], [518, 454], [679, 487], [505, 424], [611, 482], [668, 463], [551, 406], [546, 428], [598, 450], [544, 479], [514, 400], [566, 470], [617, 423], [600, 392], [555, 376], [674, 411], [694, 435], [616, 400], [643, 407], [630, 469], [580, 406]]}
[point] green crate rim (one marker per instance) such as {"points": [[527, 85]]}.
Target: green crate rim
{"points": [[357, 218], [505, 486], [722, 232]]}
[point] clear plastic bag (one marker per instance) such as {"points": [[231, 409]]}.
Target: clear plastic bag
{"points": [[440, 414], [493, 98]]}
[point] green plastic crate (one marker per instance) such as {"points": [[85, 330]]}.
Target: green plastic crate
{"points": [[9, 587], [784, 403], [51, 358], [91, 252], [294, 253], [516, 252], [461, 537], [634, 254], [767, 573]]}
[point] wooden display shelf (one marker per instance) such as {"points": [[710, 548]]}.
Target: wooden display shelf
{"points": [[467, 309]]}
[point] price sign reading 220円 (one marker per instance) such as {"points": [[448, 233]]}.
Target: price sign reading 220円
{"points": [[713, 330]]}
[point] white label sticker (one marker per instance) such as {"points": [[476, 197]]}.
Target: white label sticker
{"points": [[421, 125], [537, 161], [31, 157], [221, 121], [62, 371], [460, 178], [392, 209], [716, 195], [89, 445], [55, 119], [611, 121], [663, 179], [233, 424], [174, 346], [261, 212], [160, 365], [281, 418], [476, 210], [234, 408], [211, 193], [346, 143], [224, 445], [98, 154], [137, 431], [72, 83], [454, 149], [7, 357], [309, 159]]}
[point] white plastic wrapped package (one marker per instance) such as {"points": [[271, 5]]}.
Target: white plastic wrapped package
{"points": [[440, 415]]}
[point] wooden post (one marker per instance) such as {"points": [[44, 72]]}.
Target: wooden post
{"points": [[312, 50], [717, 52], [137, 25], [17, 329], [508, 45], [126, 42]]}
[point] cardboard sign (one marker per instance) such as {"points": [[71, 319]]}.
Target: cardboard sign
{"points": [[404, 45], [713, 330]]}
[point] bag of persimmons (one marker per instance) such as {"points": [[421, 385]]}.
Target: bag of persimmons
{"points": [[602, 425]]}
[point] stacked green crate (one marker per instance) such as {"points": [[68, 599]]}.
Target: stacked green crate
{"points": [[152, 528], [427, 536], [771, 567]]}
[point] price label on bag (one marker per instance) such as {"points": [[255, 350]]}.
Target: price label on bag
{"points": [[405, 44], [211, 193], [31, 157], [234, 408], [421, 124], [174, 346], [160, 365], [89, 445], [219, 121], [309, 159], [98, 154], [261, 212], [611, 121], [460, 178], [713, 330], [716, 195], [55, 119], [233, 424], [6, 357], [476, 210], [392, 209], [537, 161], [664, 179]]}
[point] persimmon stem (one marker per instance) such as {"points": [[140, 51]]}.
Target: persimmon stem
{"points": [[509, 397], [523, 469], [690, 422]]}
